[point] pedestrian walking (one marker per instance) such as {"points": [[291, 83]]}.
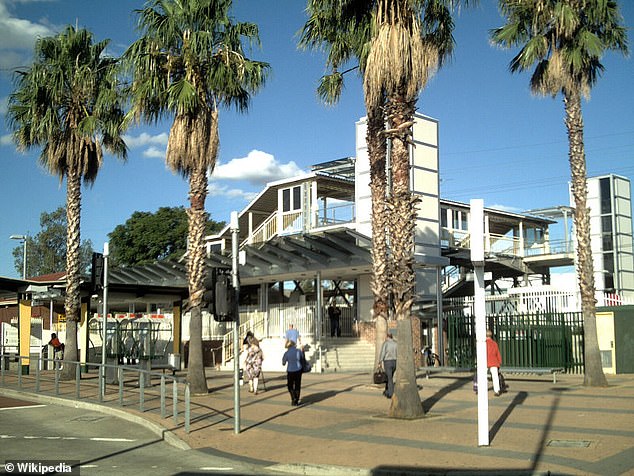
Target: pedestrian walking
{"points": [[253, 364], [494, 361], [293, 359], [387, 357]]}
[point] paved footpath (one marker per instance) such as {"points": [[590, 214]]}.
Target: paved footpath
{"points": [[342, 427]]}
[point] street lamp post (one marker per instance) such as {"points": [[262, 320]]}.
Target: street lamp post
{"points": [[23, 239]]}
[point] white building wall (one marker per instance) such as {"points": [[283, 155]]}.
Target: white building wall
{"points": [[425, 184], [620, 220]]}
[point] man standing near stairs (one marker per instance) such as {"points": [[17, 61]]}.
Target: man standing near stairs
{"points": [[292, 335], [334, 314], [388, 359]]}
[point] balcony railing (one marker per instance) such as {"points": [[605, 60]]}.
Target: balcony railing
{"points": [[505, 245]]}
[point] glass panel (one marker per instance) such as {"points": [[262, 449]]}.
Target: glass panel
{"points": [[297, 198], [606, 224], [606, 202], [286, 200], [608, 262], [607, 242]]}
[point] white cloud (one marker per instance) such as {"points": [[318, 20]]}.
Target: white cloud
{"points": [[6, 139], [17, 37], [144, 139], [154, 152], [505, 208], [257, 167], [157, 143], [217, 190]]}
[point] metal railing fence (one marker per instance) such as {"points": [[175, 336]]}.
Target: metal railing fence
{"points": [[126, 386], [525, 339]]}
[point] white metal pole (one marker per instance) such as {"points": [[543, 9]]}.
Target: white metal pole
{"points": [[235, 230], [24, 260], [477, 258], [106, 251]]}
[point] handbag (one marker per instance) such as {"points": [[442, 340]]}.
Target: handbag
{"points": [[380, 376], [306, 365]]}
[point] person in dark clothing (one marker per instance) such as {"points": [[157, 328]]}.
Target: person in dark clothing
{"points": [[334, 313], [388, 359], [293, 359]]}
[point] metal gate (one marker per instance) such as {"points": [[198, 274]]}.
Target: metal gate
{"points": [[525, 340]]}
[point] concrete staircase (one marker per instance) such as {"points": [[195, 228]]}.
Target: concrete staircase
{"points": [[346, 354]]}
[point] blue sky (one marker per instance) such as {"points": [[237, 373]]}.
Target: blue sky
{"points": [[497, 141]]}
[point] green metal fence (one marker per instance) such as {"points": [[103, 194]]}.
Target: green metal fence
{"points": [[525, 340]]}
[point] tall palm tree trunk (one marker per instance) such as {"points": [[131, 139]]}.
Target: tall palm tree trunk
{"points": [[402, 207], [593, 375], [195, 273], [377, 150], [72, 304]]}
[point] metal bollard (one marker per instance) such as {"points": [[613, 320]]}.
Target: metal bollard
{"points": [[77, 381], [56, 381], [175, 402], [2, 357], [141, 391], [37, 376], [162, 396], [120, 386], [101, 388], [187, 408]]}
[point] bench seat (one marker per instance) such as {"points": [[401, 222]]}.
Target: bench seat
{"points": [[533, 370]]}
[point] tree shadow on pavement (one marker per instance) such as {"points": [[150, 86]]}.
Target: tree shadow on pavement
{"points": [[309, 399], [429, 402]]}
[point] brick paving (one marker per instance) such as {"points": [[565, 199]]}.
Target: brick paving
{"points": [[342, 427]]}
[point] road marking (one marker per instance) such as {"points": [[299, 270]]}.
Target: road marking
{"points": [[31, 437], [21, 407], [216, 468], [109, 439]]}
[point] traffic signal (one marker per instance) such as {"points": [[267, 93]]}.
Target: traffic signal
{"points": [[209, 295], [224, 297], [97, 272]]}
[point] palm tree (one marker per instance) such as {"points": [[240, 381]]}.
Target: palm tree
{"points": [[565, 40], [410, 40], [68, 103], [399, 45], [188, 62], [343, 28]]}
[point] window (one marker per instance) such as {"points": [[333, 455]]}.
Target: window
{"points": [[606, 199], [291, 199], [607, 242]]}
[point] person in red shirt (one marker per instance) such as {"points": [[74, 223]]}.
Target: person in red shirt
{"points": [[494, 361]]}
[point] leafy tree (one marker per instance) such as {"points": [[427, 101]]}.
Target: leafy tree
{"points": [[188, 62], [147, 237], [68, 104], [565, 41], [46, 251]]}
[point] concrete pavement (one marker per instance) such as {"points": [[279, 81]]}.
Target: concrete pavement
{"points": [[342, 427]]}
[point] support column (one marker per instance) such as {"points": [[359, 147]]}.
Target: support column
{"points": [[176, 328], [24, 333], [83, 337]]}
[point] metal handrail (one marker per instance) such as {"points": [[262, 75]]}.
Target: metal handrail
{"points": [[144, 378]]}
